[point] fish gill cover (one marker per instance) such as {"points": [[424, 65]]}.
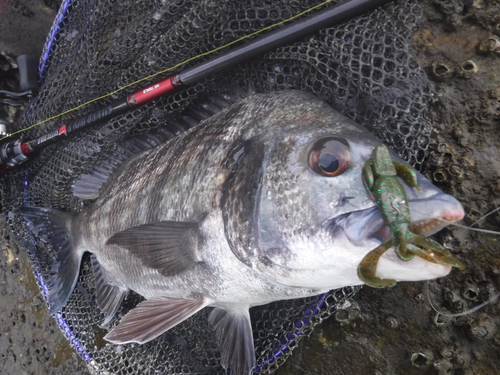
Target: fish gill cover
{"points": [[363, 68]]}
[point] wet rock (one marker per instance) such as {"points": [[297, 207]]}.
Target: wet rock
{"points": [[25, 25]]}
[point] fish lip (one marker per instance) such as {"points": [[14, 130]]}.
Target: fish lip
{"points": [[452, 211], [368, 224]]}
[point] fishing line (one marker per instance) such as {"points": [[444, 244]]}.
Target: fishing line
{"points": [[464, 226], [173, 67], [488, 214], [469, 228], [467, 312]]}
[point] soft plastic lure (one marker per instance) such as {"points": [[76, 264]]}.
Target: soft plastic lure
{"points": [[380, 178]]}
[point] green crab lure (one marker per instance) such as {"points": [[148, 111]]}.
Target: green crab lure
{"points": [[380, 178]]}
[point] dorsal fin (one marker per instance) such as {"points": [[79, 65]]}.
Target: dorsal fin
{"points": [[87, 186]]}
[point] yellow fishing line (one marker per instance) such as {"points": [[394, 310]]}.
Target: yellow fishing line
{"points": [[173, 67]]}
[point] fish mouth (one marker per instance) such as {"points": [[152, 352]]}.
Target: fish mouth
{"points": [[426, 227], [428, 216]]}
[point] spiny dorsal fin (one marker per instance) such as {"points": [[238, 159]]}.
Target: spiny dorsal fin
{"points": [[234, 334], [109, 297], [170, 247], [153, 317], [87, 186]]}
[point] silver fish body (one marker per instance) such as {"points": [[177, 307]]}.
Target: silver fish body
{"points": [[232, 214]]}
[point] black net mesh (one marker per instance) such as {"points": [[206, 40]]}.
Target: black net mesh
{"points": [[363, 68]]}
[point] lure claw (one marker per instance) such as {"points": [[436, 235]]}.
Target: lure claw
{"points": [[368, 267], [380, 178]]}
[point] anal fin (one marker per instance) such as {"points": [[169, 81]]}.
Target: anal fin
{"points": [[234, 334], [151, 318], [109, 297]]}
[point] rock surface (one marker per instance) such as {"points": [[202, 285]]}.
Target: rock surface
{"points": [[25, 24]]}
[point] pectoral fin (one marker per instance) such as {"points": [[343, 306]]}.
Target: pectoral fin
{"points": [[168, 246], [153, 317], [234, 334]]}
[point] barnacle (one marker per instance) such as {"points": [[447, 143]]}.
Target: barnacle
{"points": [[467, 69], [490, 45], [419, 359], [483, 328], [440, 320], [440, 176], [441, 71]]}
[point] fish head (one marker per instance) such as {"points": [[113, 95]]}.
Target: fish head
{"points": [[313, 221]]}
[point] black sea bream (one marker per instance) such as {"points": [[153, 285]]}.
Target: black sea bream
{"points": [[261, 202]]}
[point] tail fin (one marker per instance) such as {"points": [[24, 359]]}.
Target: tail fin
{"points": [[53, 227]]}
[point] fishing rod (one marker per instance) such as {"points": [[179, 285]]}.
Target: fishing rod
{"points": [[16, 152]]}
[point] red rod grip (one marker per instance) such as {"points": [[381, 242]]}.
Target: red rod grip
{"points": [[152, 92], [25, 148]]}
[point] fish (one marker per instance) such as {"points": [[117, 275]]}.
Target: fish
{"points": [[263, 201]]}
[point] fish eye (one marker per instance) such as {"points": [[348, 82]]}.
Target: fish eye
{"points": [[330, 156]]}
